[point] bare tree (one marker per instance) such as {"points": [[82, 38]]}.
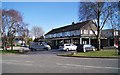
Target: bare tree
{"points": [[116, 26], [37, 31], [24, 32], [99, 11], [11, 22]]}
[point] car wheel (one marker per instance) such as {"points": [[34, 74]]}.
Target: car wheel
{"points": [[34, 49], [45, 49], [31, 49]]}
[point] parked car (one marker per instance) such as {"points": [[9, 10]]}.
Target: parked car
{"points": [[85, 47], [68, 47], [39, 46], [116, 46]]}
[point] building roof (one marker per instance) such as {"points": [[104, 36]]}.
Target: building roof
{"points": [[73, 26], [109, 31]]}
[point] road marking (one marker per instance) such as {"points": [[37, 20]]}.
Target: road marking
{"points": [[23, 55], [93, 58], [29, 61], [75, 65], [17, 63]]}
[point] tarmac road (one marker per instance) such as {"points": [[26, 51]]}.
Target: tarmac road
{"points": [[48, 62]]}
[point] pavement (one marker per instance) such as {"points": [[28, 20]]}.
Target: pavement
{"points": [[48, 62]]}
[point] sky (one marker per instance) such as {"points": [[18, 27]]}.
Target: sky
{"points": [[47, 15]]}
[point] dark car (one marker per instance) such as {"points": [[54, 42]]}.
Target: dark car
{"points": [[85, 47]]}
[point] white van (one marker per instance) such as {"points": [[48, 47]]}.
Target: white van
{"points": [[39, 46]]}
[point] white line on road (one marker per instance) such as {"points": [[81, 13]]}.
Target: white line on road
{"points": [[18, 63], [29, 61], [75, 65]]}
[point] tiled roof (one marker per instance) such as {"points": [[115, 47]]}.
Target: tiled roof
{"points": [[74, 26]]}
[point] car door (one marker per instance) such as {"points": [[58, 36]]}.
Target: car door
{"points": [[38, 46]]}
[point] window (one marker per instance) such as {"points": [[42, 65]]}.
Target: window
{"points": [[47, 36], [71, 33], [81, 32], [51, 35], [77, 32], [96, 32], [57, 35], [60, 34], [85, 31], [68, 33], [63, 34], [54, 35], [91, 32], [115, 33]]}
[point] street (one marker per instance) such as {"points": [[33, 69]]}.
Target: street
{"points": [[49, 62]]}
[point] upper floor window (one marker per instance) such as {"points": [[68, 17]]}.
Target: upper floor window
{"points": [[115, 33], [96, 32], [48, 36], [60, 34], [77, 32], [63, 34], [51, 35], [85, 31], [81, 31], [91, 32], [57, 35], [72, 33], [54, 35]]}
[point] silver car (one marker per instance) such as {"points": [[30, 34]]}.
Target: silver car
{"points": [[68, 47]]}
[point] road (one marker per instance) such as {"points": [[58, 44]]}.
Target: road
{"points": [[48, 62]]}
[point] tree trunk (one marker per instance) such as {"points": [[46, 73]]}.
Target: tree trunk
{"points": [[4, 43], [11, 44], [98, 31], [98, 43]]}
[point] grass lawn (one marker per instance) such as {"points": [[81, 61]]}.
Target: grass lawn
{"points": [[101, 53], [8, 51]]}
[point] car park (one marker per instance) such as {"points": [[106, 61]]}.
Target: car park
{"points": [[68, 47], [85, 48]]}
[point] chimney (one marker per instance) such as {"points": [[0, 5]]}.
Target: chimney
{"points": [[73, 23]]}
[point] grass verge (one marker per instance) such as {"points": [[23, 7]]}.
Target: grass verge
{"points": [[101, 53], [8, 52]]}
